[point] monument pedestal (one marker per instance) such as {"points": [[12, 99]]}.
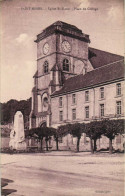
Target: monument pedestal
{"points": [[17, 145], [12, 144], [20, 145]]}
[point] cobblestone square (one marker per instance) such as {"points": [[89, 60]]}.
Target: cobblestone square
{"points": [[64, 173]]}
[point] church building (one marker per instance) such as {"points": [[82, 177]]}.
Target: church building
{"points": [[74, 82]]}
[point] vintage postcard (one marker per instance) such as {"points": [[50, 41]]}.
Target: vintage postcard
{"points": [[62, 97]]}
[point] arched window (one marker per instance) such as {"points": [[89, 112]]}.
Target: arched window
{"points": [[45, 102], [66, 65], [45, 66]]}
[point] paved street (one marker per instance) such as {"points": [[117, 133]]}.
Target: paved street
{"points": [[64, 174]]}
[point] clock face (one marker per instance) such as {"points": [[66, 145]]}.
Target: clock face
{"points": [[46, 48], [66, 46]]}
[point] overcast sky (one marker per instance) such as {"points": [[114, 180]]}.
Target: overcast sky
{"points": [[22, 20]]}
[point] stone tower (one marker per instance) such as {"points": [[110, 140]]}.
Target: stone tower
{"points": [[62, 52]]}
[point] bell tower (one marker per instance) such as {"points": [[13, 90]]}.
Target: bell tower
{"points": [[62, 52]]}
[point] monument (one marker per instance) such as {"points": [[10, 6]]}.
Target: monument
{"points": [[17, 136]]}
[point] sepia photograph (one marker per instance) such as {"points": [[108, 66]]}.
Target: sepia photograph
{"points": [[62, 98]]}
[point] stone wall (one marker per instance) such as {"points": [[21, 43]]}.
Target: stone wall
{"points": [[70, 143]]}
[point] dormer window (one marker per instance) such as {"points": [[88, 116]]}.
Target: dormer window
{"points": [[45, 66], [65, 65]]}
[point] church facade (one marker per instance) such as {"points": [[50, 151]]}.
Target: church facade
{"points": [[74, 82]]}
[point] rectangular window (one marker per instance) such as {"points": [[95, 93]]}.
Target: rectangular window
{"points": [[101, 109], [73, 114], [102, 92], [61, 115], [118, 89], [60, 101], [73, 98], [86, 95], [87, 112], [119, 107]]}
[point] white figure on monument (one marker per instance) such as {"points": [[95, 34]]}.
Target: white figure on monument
{"points": [[17, 137]]}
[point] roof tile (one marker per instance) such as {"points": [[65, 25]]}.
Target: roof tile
{"points": [[100, 58], [97, 76]]}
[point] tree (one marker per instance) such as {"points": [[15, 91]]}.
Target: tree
{"points": [[40, 133], [47, 132], [94, 131], [76, 130], [9, 109], [33, 133], [5, 132], [111, 128], [62, 131]]}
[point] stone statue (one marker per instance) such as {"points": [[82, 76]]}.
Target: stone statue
{"points": [[17, 136]]}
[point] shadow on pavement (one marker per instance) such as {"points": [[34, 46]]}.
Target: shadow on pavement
{"points": [[4, 182]]}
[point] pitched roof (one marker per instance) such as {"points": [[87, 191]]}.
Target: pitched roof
{"points": [[98, 76], [100, 58], [65, 29], [64, 24]]}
